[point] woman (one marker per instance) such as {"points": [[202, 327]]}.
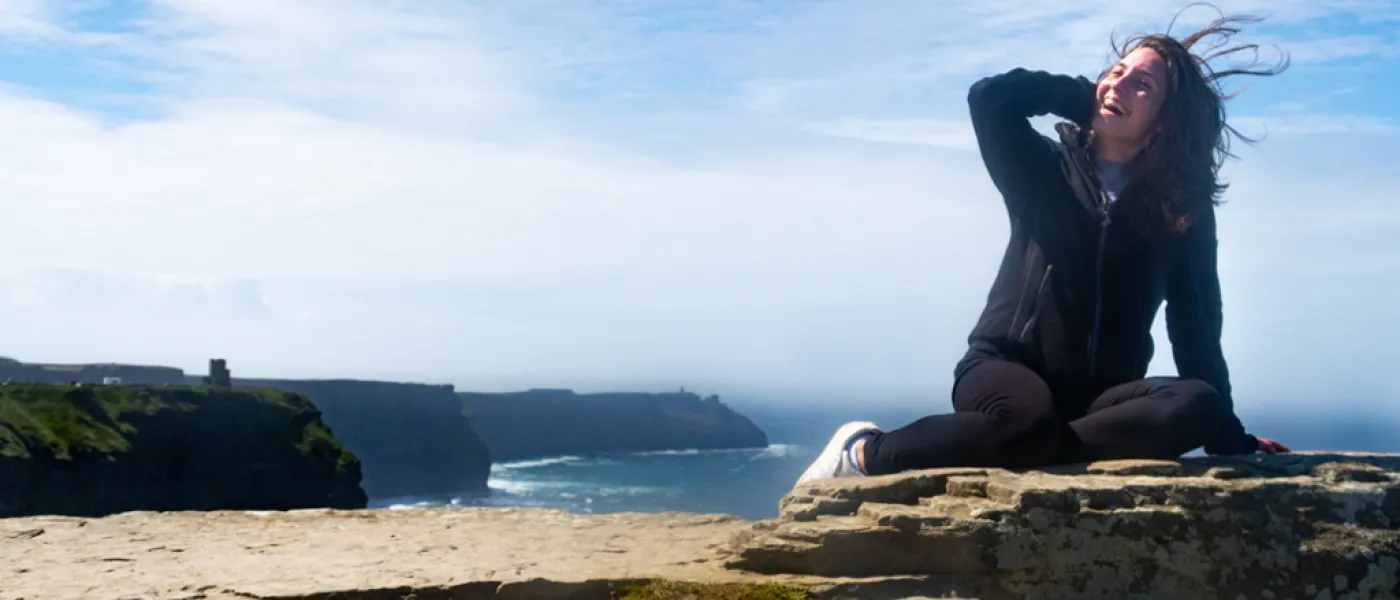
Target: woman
{"points": [[1107, 223]]}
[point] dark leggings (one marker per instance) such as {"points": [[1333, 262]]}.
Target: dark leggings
{"points": [[1005, 416]]}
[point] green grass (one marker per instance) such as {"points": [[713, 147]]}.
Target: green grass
{"points": [[99, 419], [11, 444], [317, 439], [60, 419], [672, 590]]}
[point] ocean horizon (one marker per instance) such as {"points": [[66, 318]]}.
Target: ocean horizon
{"points": [[750, 482]]}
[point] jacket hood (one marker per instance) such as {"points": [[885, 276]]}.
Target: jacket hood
{"points": [[1072, 135]]}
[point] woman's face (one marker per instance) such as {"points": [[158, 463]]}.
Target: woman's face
{"points": [[1130, 96]]}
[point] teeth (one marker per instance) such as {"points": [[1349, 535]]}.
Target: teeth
{"points": [[1113, 106]]}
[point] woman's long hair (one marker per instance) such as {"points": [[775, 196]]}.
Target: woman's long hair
{"points": [[1177, 172]]}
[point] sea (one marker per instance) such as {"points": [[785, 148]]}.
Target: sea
{"points": [[750, 482]]}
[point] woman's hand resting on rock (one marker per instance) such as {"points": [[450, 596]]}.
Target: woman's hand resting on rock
{"points": [[1269, 446]]}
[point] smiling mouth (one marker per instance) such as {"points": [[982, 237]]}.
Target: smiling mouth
{"points": [[1114, 107]]}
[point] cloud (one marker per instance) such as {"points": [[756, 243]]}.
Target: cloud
{"points": [[928, 132], [132, 294], [27, 20], [1336, 48], [773, 96], [1316, 124], [354, 60]]}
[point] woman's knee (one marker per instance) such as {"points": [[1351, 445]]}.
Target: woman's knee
{"points": [[1012, 396], [1199, 400]]}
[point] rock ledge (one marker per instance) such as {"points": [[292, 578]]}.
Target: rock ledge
{"points": [[1301, 525], [1317, 526]]}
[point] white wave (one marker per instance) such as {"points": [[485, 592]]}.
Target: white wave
{"points": [[780, 451], [696, 451], [512, 487], [687, 452], [541, 462], [574, 490], [597, 462], [413, 505], [518, 487], [771, 451], [635, 490]]}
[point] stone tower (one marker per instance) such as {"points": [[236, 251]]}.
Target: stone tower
{"points": [[218, 374]]}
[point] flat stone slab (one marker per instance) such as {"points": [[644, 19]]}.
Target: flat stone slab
{"points": [[303, 553], [462, 554]]}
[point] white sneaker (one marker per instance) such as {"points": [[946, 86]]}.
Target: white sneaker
{"points": [[832, 461]]}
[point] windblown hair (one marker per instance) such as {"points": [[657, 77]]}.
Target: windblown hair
{"points": [[1177, 172]]}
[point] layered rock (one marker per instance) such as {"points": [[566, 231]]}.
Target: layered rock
{"points": [[96, 450], [413, 439], [1307, 525], [538, 423]]}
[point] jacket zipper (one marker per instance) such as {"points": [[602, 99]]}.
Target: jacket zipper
{"points": [[1098, 273]]}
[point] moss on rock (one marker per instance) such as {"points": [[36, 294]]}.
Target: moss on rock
{"points": [[656, 589]]}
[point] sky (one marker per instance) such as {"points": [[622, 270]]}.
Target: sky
{"points": [[638, 194]]}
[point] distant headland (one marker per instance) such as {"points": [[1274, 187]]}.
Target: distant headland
{"points": [[550, 422]]}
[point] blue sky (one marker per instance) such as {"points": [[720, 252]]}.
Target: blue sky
{"points": [[723, 195]]}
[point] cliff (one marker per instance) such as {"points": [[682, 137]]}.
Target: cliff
{"points": [[1316, 526], [20, 372], [413, 439], [96, 450], [539, 423]]}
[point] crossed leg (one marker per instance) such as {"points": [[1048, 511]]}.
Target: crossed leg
{"points": [[1160, 417], [1004, 416]]}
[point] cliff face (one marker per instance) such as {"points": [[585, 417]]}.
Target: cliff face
{"points": [[19, 372], [553, 422], [413, 439], [97, 450]]}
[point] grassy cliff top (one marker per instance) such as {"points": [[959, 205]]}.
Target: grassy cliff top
{"points": [[103, 419]]}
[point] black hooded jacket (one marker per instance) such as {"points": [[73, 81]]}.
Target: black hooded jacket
{"points": [[1078, 288]]}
